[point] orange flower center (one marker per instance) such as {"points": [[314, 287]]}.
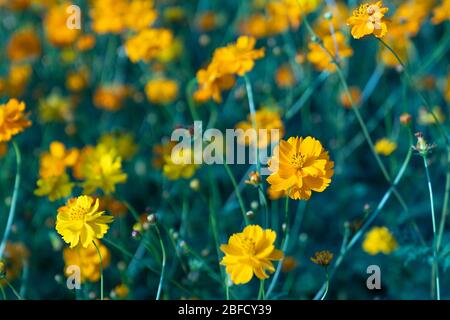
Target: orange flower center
{"points": [[77, 213], [248, 246], [297, 160]]}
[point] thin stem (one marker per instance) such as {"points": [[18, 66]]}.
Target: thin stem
{"points": [[409, 78], [327, 285], [251, 106], [261, 293], [237, 191], [190, 99], [445, 205], [433, 220], [12, 209], [101, 269], [163, 264], [3, 292], [13, 290]]}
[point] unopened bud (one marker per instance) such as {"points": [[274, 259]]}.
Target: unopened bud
{"points": [[405, 119]]}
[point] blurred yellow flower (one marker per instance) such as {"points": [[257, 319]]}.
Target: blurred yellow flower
{"points": [[355, 93], [333, 17], [13, 120], [300, 166], [401, 45], [379, 240], [87, 260], [408, 18], [275, 194], [426, 118], [15, 256], [122, 143], [76, 81], [121, 291], [441, 13], [207, 21], [108, 16], [140, 14], [80, 222], [55, 162], [54, 187], [85, 42], [249, 253], [211, 83], [267, 119], [57, 32], [18, 77], [55, 108], [255, 26], [179, 164], [113, 206], [110, 97], [161, 91], [321, 58], [23, 45], [284, 76], [148, 44], [102, 169], [368, 19], [385, 146]]}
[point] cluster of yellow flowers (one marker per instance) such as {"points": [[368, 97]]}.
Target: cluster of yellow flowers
{"points": [[379, 240], [13, 120], [234, 59]]}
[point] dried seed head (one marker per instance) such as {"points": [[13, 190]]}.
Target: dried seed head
{"points": [[322, 258]]}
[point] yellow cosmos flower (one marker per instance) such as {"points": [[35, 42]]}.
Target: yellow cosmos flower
{"points": [[56, 26], [122, 143], [102, 169], [23, 45], [256, 26], [148, 44], [87, 259], [161, 91], [12, 119], [55, 162], [265, 119], [408, 18], [56, 108], [211, 83], [179, 164], [385, 147], [110, 97], [107, 16], [321, 58], [238, 58], [368, 19], [379, 240], [140, 14], [441, 13], [80, 222], [249, 253], [55, 187], [300, 166]]}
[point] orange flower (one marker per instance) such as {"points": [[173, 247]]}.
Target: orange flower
{"points": [[12, 119], [56, 27], [110, 97], [335, 45], [23, 45], [368, 19], [55, 162]]}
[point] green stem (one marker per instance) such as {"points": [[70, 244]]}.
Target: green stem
{"points": [[12, 289], [327, 285], [12, 209], [237, 191], [445, 205], [190, 99], [101, 269], [261, 293], [433, 220], [409, 78], [3, 292], [251, 105], [163, 264]]}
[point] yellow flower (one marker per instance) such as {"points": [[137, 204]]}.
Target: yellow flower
{"points": [[12, 119], [121, 291], [108, 15], [408, 18], [401, 44], [77, 80], [179, 164], [148, 44], [238, 58], [275, 194], [18, 77], [80, 222], [161, 91], [441, 13], [23, 45], [122, 143], [249, 253], [265, 119], [55, 108], [355, 93], [426, 118], [56, 26], [284, 76], [87, 260], [110, 97], [321, 58], [102, 169], [368, 19], [55, 187], [55, 162], [85, 42], [324, 23], [15, 255], [379, 239], [207, 21], [140, 14], [385, 147], [300, 166], [211, 83], [256, 26]]}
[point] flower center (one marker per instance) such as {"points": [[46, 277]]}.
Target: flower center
{"points": [[298, 160], [77, 213], [248, 246]]}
